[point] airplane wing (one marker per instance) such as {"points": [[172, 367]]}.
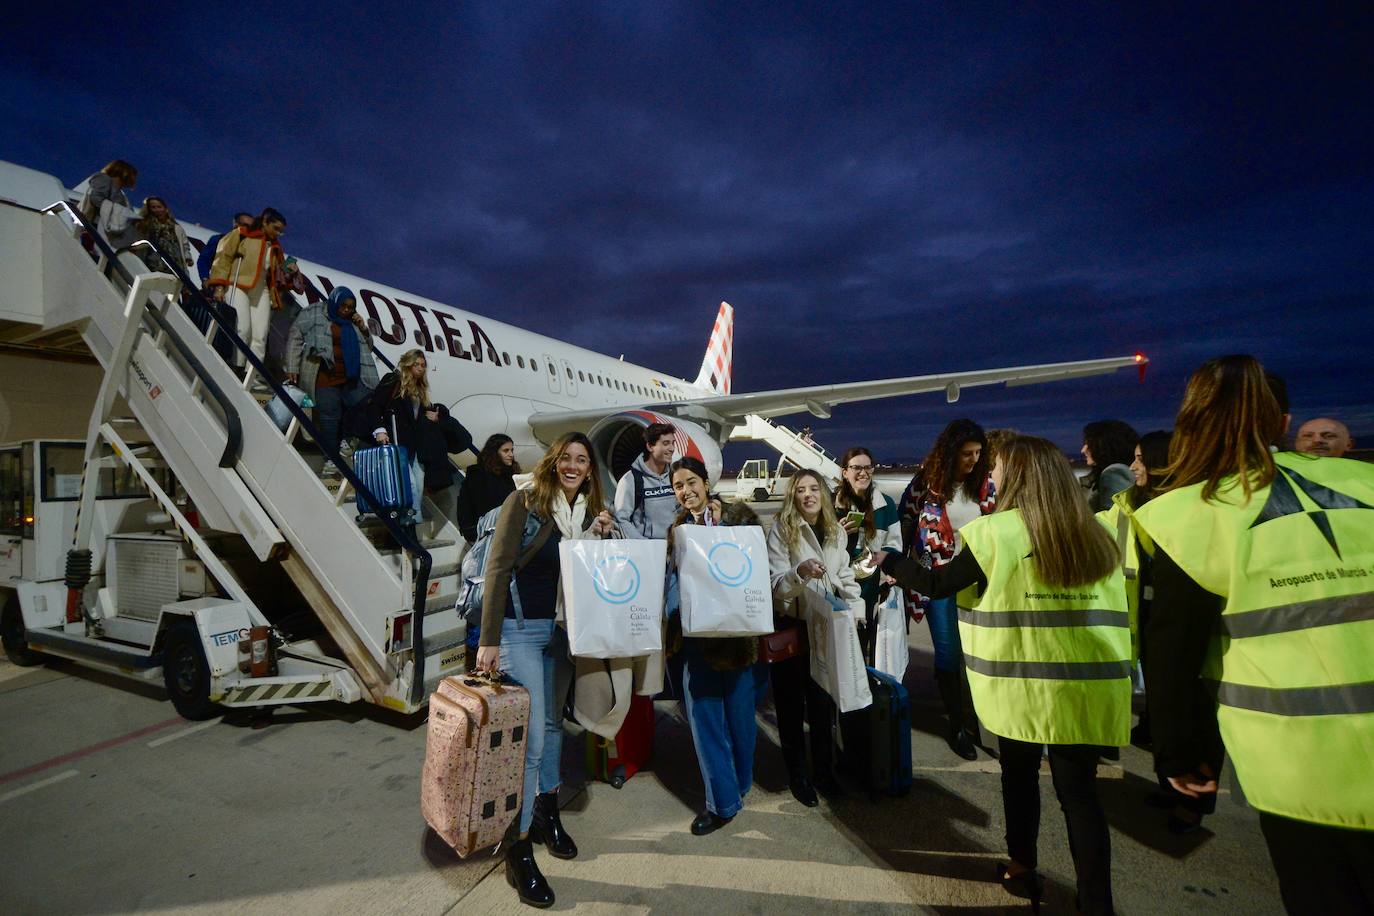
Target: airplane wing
{"points": [[820, 399]]}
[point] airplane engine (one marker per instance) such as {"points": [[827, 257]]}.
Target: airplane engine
{"points": [[619, 439]]}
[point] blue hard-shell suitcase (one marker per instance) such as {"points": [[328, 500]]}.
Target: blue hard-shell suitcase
{"points": [[385, 470], [877, 739]]}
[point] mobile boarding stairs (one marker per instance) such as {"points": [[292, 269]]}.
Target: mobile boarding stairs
{"points": [[379, 622]]}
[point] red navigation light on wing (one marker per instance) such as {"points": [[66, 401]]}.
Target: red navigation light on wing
{"points": [[1141, 361]]}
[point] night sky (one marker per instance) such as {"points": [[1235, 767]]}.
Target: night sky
{"points": [[879, 190]]}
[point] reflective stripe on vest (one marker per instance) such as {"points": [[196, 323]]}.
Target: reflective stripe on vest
{"points": [[1304, 615], [1346, 699], [1292, 662], [1076, 618], [1052, 671]]}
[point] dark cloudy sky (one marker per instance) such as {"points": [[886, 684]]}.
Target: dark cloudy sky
{"points": [[879, 189]]}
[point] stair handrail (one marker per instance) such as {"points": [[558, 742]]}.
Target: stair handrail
{"points": [[233, 427], [407, 539]]}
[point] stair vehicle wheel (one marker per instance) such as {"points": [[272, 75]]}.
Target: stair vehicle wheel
{"points": [[12, 635], [186, 673], [617, 777]]}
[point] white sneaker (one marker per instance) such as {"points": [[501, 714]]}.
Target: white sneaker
{"points": [[329, 470]]}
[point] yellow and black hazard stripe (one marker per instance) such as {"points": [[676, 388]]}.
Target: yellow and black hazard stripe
{"points": [[298, 692]]}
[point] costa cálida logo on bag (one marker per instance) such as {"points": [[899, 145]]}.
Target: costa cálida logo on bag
{"points": [[616, 579], [729, 564]]}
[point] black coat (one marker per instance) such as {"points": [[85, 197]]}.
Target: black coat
{"points": [[413, 430], [482, 491]]}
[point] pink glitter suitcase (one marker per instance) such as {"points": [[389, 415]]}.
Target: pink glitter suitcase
{"points": [[474, 760]]}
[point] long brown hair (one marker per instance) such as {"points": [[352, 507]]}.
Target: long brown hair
{"points": [[490, 456], [1228, 418], [847, 498], [546, 486], [1069, 546], [790, 518], [126, 173], [940, 466]]}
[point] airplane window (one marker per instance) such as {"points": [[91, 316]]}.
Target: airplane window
{"points": [[569, 368], [534, 364], [579, 376], [520, 361], [491, 355], [552, 370], [505, 358]]}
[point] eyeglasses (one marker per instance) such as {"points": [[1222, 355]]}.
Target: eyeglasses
{"points": [[859, 468]]}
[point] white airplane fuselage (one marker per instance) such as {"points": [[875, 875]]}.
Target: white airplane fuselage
{"points": [[493, 376]]}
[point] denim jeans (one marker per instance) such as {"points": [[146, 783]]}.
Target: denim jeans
{"points": [[537, 658], [943, 618], [330, 404], [720, 711]]}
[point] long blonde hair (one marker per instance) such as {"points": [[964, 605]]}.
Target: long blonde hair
{"points": [[407, 386], [547, 488], [1069, 547], [1228, 418], [790, 518]]}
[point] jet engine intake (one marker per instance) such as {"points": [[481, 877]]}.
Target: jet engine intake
{"points": [[619, 440]]}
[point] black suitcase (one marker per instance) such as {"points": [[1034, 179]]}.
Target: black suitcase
{"points": [[877, 739]]}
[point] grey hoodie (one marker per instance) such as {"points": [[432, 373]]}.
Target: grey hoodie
{"points": [[659, 504]]}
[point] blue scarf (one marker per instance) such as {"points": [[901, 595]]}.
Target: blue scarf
{"points": [[348, 333]]}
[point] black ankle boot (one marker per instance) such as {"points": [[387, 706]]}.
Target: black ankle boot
{"points": [[959, 740], [547, 827], [523, 874]]}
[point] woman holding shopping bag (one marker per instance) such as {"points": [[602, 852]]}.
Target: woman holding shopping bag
{"points": [[565, 501], [721, 677], [806, 552], [871, 524], [1048, 649]]}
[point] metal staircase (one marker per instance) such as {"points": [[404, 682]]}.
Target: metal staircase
{"points": [[793, 446], [384, 592]]}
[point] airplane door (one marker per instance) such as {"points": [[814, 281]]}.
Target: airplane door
{"points": [[11, 516], [570, 377], [552, 368]]}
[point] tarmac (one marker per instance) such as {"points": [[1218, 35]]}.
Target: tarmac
{"points": [[110, 803]]}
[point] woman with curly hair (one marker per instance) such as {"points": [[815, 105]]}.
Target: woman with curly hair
{"points": [[951, 488]]}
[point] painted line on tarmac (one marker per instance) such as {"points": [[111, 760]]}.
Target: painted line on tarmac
{"points": [[87, 751], [25, 790], [199, 726]]}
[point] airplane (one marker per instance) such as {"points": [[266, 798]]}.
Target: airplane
{"points": [[499, 378]]}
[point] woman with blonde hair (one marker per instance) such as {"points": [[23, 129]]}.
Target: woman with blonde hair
{"points": [[521, 627], [1263, 591], [400, 410], [1047, 645], [156, 224], [807, 551]]}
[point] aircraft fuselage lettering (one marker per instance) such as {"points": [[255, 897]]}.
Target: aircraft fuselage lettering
{"points": [[393, 333], [453, 338], [422, 330]]}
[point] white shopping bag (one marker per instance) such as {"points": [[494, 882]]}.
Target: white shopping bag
{"points": [[723, 580], [613, 596], [890, 654], [837, 661]]}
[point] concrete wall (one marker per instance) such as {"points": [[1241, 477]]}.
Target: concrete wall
{"points": [[45, 398]]}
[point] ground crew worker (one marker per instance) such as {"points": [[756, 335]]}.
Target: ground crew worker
{"points": [[1048, 650], [1264, 587]]}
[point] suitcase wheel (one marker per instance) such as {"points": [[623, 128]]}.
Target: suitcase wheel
{"points": [[617, 777]]}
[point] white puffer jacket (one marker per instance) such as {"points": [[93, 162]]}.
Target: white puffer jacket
{"points": [[788, 584]]}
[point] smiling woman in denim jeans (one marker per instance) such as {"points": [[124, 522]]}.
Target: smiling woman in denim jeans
{"points": [[521, 627], [721, 677]]}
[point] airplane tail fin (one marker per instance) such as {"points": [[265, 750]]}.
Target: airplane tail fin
{"points": [[715, 367]]}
